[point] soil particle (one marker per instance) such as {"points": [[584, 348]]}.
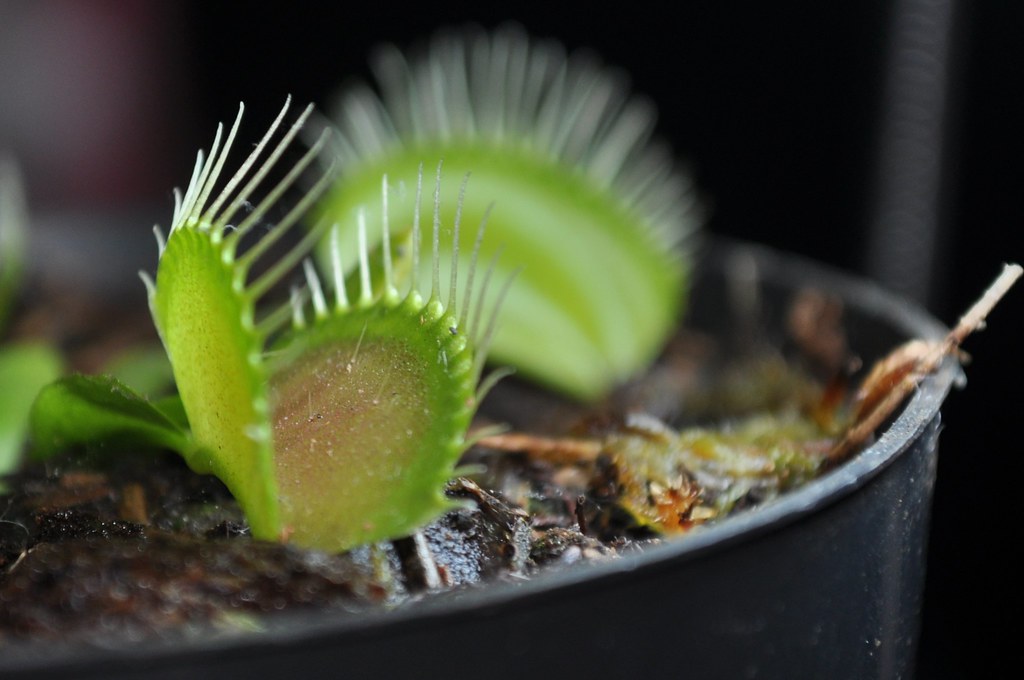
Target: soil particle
{"points": [[567, 546], [485, 539]]}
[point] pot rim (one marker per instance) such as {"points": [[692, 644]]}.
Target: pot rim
{"points": [[318, 626]]}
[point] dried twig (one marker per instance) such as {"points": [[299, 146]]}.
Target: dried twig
{"points": [[896, 376], [555, 449]]}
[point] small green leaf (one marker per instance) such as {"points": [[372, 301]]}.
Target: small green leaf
{"points": [[144, 369], [173, 409], [24, 370], [85, 410]]}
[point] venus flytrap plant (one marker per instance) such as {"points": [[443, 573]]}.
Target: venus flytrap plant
{"points": [[594, 213], [338, 430]]}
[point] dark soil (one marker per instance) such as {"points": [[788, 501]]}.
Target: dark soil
{"points": [[136, 548]]}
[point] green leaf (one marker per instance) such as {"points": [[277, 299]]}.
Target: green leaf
{"points": [[24, 370], [144, 369], [81, 410], [173, 409]]}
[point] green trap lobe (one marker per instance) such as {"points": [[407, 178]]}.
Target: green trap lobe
{"points": [[363, 409], [200, 317], [596, 291]]}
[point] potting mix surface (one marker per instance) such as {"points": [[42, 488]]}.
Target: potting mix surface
{"points": [[132, 544]]}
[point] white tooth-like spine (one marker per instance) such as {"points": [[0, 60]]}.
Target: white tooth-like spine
{"points": [[477, 316], [505, 88]]}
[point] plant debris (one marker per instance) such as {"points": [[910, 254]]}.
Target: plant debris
{"points": [[896, 376]]}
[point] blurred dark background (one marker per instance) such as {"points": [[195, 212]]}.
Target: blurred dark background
{"points": [[780, 111]]}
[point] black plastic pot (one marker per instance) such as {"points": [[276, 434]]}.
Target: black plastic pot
{"points": [[825, 582]]}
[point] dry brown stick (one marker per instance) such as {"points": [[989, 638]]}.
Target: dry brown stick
{"points": [[558, 449], [924, 363]]}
